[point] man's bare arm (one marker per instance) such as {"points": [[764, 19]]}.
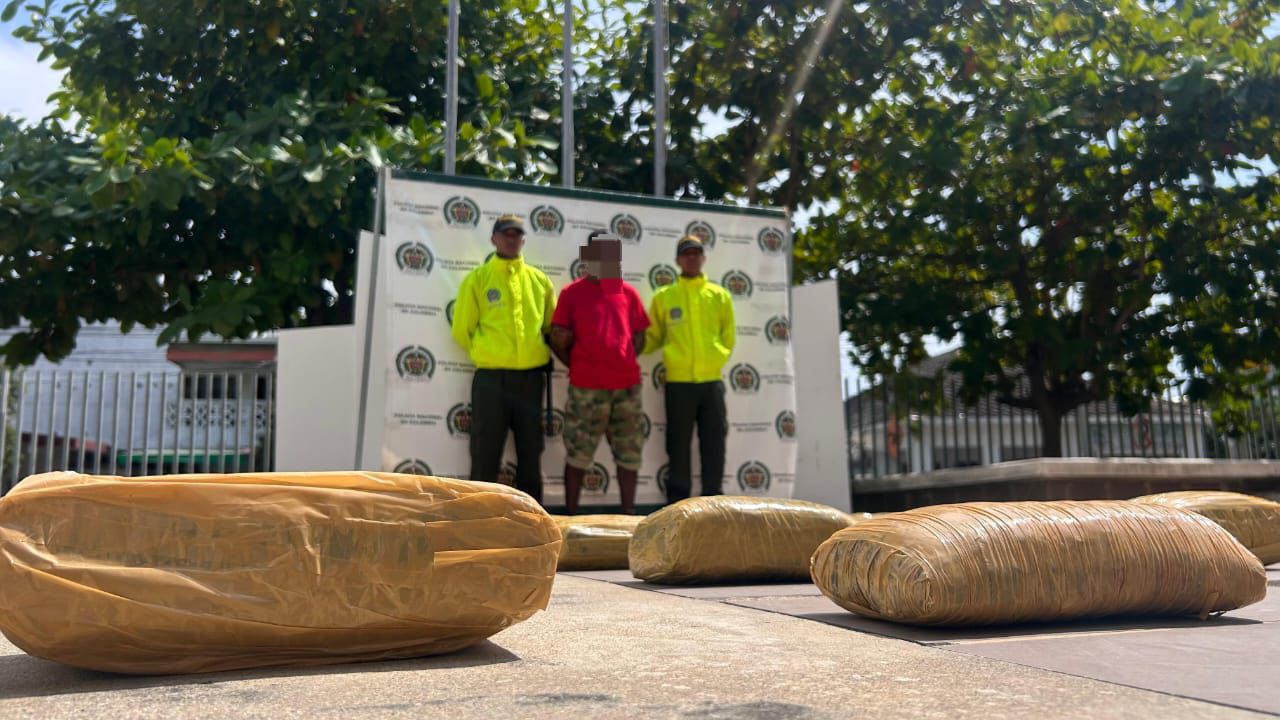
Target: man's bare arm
{"points": [[561, 342]]}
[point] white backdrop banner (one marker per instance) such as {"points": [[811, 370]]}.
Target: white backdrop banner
{"points": [[437, 230]]}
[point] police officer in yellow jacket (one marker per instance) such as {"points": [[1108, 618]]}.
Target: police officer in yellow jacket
{"points": [[501, 316], [691, 320]]}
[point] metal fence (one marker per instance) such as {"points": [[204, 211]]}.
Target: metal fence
{"points": [[930, 428], [135, 423]]}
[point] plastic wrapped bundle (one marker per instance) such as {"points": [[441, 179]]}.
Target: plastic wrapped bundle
{"points": [[726, 538], [1254, 521], [595, 542], [198, 573], [1002, 563]]}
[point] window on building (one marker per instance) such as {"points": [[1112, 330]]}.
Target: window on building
{"points": [[224, 386]]}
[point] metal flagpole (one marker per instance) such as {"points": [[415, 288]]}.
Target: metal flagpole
{"points": [[370, 303], [451, 94], [659, 97], [566, 100]]}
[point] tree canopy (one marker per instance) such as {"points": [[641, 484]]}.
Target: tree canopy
{"points": [[1081, 194], [1077, 191], [207, 166]]}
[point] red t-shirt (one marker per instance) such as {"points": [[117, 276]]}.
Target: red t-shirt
{"points": [[603, 315]]}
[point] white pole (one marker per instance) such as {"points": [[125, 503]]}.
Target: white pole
{"points": [[659, 97], [566, 100], [451, 93], [371, 300]]}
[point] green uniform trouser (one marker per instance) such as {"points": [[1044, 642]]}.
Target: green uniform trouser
{"points": [[502, 401], [701, 404]]}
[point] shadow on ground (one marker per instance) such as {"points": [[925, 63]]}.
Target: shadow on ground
{"points": [[27, 676], [944, 636]]}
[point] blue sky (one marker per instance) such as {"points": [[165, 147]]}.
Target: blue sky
{"points": [[24, 83]]}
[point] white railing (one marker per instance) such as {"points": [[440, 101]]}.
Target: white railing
{"points": [[135, 423]]}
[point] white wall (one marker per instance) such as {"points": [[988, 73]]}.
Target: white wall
{"points": [[101, 346], [316, 394], [822, 466]]}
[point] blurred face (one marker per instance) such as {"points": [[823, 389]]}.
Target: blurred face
{"points": [[690, 262], [602, 258], [508, 242]]}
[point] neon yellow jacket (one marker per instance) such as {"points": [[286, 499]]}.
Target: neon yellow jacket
{"points": [[503, 309], [692, 321]]}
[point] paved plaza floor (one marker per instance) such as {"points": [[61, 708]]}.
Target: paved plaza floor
{"points": [[609, 647]]}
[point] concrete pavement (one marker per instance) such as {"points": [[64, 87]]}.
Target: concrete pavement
{"points": [[607, 651]]}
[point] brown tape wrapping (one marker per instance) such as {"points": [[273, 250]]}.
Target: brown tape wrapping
{"points": [[727, 538], [1254, 521], [595, 542], [1003, 563], [198, 573]]}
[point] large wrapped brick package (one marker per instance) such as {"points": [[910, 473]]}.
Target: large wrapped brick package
{"points": [[595, 542], [724, 538], [1254, 521], [1003, 563], [198, 573]]}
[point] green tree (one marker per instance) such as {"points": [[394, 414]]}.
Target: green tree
{"points": [[762, 94], [208, 164], [1078, 192]]}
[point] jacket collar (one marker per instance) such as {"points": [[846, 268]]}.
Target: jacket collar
{"points": [[513, 265]]}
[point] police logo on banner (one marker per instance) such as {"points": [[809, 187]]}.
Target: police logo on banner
{"points": [[546, 220], [738, 284], [557, 424], [743, 378], [413, 466], [661, 275], [415, 363], [772, 240], [754, 477], [577, 269], [662, 476], [646, 425], [659, 376], [448, 312], [595, 479], [626, 227], [507, 474], [777, 330], [703, 232], [414, 258], [785, 424], [461, 211], [459, 420]]}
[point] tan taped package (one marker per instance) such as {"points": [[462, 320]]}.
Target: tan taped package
{"points": [[198, 573], [726, 538], [1003, 563], [1254, 521], [595, 542]]}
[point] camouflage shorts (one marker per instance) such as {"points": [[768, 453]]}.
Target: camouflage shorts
{"points": [[614, 413]]}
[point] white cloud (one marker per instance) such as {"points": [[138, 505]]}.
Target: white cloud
{"points": [[25, 83]]}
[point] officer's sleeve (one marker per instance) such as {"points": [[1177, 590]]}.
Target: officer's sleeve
{"points": [[728, 332], [550, 310], [655, 336], [637, 316], [466, 314]]}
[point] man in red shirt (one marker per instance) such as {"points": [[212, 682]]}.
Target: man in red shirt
{"points": [[597, 330]]}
